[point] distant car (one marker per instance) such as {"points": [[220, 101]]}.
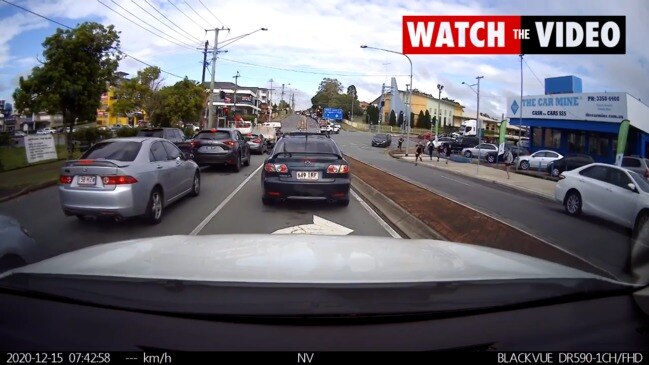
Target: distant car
{"points": [[637, 164], [538, 159], [382, 140], [480, 150], [256, 142], [515, 150], [174, 135], [224, 146], [336, 127], [326, 128], [17, 247], [306, 166], [45, 131], [567, 163], [127, 177], [606, 191], [441, 140], [461, 143], [19, 134]]}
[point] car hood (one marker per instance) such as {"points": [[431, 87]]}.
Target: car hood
{"points": [[299, 258]]}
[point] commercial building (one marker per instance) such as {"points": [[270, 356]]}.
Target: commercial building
{"points": [[569, 121], [105, 114], [248, 99]]}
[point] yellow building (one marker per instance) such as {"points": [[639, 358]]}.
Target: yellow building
{"points": [[105, 115], [422, 102]]}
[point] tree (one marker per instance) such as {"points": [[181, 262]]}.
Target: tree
{"points": [[137, 94], [421, 120], [412, 120], [78, 64], [427, 119], [400, 119], [328, 90], [181, 102], [393, 118], [372, 114]]}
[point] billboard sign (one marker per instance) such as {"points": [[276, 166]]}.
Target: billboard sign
{"points": [[333, 113], [598, 107]]}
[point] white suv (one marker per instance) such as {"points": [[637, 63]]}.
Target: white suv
{"points": [[637, 164]]}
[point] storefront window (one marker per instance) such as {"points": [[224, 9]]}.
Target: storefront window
{"points": [[577, 142], [537, 136], [598, 146], [552, 138]]}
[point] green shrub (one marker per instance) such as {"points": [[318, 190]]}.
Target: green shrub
{"points": [[127, 132]]}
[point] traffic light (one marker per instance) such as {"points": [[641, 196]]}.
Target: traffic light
{"points": [[222, 94]]}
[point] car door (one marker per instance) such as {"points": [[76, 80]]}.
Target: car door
{"points": [[535, 159], [163, 168], [182, 176], [549, 157], [245, 149], [621, 200], [595, 190]]}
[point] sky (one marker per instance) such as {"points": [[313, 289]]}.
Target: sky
{"points": [[309, 40]]}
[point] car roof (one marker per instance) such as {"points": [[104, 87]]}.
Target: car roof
{"points": [[132, 139]]}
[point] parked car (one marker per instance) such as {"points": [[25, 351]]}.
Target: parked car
{"points": [[326, 128], [382, 140], [515, 150], [127, 177], [306, 166], [256, 142], [637, 164], [224, 146], [538, 159], [479, 150], [174, 135], [606, 191], [17, 247], [45, 131], [461, 143], [19, 134], [441, 140], [568, 163]]}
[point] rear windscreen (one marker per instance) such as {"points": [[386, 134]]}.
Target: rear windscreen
{"points": [[117, 150], [219, 135], [158, 134], [308, 145]]}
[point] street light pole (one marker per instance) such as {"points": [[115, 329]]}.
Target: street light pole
{"points": [[439, 110], [479, 127], [520, 120]]}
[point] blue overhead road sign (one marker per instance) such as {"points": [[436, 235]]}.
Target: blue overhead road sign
{"points": [[333, 113]]}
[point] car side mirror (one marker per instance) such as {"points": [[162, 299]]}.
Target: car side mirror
{"points": [[632, 187]]}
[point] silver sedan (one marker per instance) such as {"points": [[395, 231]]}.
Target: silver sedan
{"points": [[126, 177]]}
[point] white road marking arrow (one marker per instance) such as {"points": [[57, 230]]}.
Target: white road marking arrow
{"points": [[319, 226]]}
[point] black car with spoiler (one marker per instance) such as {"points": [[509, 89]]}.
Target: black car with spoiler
{"points": [[306, 166]]}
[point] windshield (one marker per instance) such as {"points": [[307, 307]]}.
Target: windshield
{"points": [[325, 146]]}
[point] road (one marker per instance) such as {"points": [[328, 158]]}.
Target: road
{"points": [[228, 203], [598, 241]]}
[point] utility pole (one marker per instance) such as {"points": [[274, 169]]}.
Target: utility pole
{"points": [[292, 101], [236, 86], [479, 124], [212, 112], [520, 120], [270, 96], [282, 99], [204, 62]]}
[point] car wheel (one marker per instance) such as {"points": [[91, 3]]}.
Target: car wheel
{"points": [[196, 185], [237, 165], [343, 202], [491, 159], [525, 165], [572, 203], [153, 214], [267, 200], [83, 218], [467, 154], [247, 163], [9, 262], [555, 172], [641, 229]]}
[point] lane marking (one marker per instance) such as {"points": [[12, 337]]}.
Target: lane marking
{"points": [[320, 226], [457, 181], [371, 211], [223, 203]]}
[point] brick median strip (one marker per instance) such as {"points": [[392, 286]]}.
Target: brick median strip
{"points": [[458, 223]]}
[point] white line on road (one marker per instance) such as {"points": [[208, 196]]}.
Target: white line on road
{"points": [[383, 223], [223, 203], [457, 181]]}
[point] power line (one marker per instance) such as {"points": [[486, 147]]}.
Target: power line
{"points": [[170, 21], [160, 21], [215, 17], [195, 12], [69, 27], [187, 16], [181, 44], [537, 78], [304, 71]]}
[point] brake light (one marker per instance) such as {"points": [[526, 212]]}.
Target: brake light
{"points": [[65, 179], [257, 140], [118, 180], [85, 162], [230, 143], [281, 168], [194, 144], [338, 169]]}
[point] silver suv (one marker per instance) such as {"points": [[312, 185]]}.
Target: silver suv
{"points": [[637, 164]]}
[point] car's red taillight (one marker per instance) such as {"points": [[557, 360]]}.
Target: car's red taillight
{"points": [[230, 143], [118, 180], [338, 169], [195, 144], [65, 179], [257, 140], [271, 167]]}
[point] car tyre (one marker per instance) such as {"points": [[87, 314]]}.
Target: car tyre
{"points": [[9, 262], [555, 172], [491, 159], [267, 200], [196, 185], [237, 166], [247, 163], [525, 165], [468, 154], [155, 207], [572, 203], [343, 202]]}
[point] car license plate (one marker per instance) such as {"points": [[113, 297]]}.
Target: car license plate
{"points": [[87, 180], [307, 175]]}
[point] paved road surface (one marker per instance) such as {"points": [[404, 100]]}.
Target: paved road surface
{"points": [[600, 242]]}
